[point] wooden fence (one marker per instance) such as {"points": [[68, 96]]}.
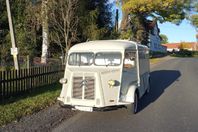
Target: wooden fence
{"points": [[14, 83]]}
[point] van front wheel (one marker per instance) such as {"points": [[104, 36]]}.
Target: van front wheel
{"points": [[149, 86], [133, 108]]}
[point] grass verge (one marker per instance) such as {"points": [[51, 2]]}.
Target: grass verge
{"points": [[154, 60], [14, 109]]}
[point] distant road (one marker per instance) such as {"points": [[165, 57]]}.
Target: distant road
{"points": [[172, 105]]}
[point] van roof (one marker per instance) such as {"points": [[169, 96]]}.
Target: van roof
{"points": [[105, 45]]}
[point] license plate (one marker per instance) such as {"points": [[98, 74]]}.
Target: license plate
{"points": [[81, 108]]}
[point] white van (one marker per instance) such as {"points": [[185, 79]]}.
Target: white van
{"points": [[105, 73]]}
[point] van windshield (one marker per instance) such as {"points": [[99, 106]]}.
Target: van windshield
{"points": [[81, 59], [108, 59]]}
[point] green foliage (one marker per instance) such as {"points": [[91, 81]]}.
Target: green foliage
{"points": [[114, 35], [183, 53], [91, 31], [126, 34], [140, 10], [157, 54], [195, 54], [184, 45], [95, 22], [14, 109], [19, 10], [194, 20], [194, 16], [166, 10], [164, 39]]}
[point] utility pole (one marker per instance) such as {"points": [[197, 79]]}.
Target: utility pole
{"points": [[117, 20], [14, 50], [196, 45]]}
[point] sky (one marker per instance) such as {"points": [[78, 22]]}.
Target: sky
{"points": [[185, 32]]}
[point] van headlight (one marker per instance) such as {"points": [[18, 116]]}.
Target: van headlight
{"points": [[63, 80], [111, 82]]}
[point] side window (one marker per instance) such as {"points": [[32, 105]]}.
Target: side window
{"points": [[129, 60]]}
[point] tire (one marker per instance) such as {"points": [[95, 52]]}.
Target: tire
{"points": [[149, 86], [133, 108], [61, 104]]}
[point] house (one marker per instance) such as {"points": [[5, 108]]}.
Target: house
{"points": [[153, 31], [154, 37], [191, 46], [171, 47]]}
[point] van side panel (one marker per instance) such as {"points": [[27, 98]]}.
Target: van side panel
{"points": [[144, 69]]}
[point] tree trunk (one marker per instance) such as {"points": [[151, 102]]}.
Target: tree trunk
{"points": [[45, 32]]}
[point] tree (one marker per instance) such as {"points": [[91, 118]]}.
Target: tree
{"points": [[194, 20], [45, 26], [97, 20], [92, 31], [142, 10], [45, 31], [184, 46], [4, 31], [20, 22], [164, 39], [64, 22], [194, 17], [38, 17]]}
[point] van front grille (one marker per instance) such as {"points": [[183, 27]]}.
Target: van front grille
{"points": [[77, 87], [89, 88], [86, 86]]}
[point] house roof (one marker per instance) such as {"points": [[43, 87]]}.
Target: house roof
{"points": [[189, 45], [172, 45]]}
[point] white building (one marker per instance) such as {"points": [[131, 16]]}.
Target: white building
{"points": [[175, 47]]}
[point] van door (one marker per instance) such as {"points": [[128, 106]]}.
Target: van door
{"points": [[143, 70], [129, 74]]}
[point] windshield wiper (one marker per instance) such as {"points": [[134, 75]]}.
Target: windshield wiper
{"points": [[111, 64]]}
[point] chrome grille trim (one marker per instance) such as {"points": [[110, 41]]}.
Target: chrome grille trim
{"points": [[84, 85], [77, 88], [90, 88]]}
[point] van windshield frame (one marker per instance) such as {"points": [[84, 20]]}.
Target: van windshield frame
{"points": [[81, 59], [108, 58], [98, 59]]}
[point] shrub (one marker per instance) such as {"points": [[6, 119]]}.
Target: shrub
{"points": [[157, 54], [183, 53]]}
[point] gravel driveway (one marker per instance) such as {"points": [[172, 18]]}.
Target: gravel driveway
{"points": [[43, 121]]}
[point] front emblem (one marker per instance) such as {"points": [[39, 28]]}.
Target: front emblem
{"points": [[84, 83]]}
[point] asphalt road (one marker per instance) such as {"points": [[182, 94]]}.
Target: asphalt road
{"points": [[171, 105]]}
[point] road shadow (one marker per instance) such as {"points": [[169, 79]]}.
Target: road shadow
{"points": [[160, 80]]}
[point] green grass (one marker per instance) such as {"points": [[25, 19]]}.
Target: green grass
{"points": [[184, 56], [154, 60], [14, 109], [196, 56]]}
